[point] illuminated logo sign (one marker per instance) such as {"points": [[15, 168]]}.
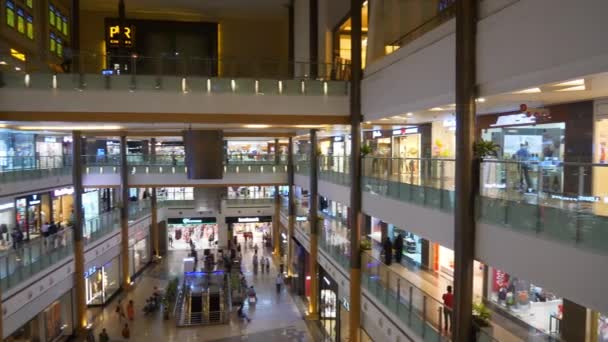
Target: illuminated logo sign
{"points": [[301, 218], [248, 219], [376, 134], [90, 271], [188, 220], [62, 192], [7, 206], [338, 139], [34, 200], [18, 55], [406, 130], [115, 36]]}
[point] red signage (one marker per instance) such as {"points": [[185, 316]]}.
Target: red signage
{"points": [[499, 279]]}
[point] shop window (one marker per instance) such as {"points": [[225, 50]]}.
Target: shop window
{"points": [[29, 3], [65, 26], [10, 13], [20, 20], [52, 43], [58, 21], [51, 15], [29, 27], [59, 47]]}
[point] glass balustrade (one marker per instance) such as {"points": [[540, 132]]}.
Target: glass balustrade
{"points": [[413, 307], [334, 238], [28, 258], [17, 168], [551, 199], [183, 74]]}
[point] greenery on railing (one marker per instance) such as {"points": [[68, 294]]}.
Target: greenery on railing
{"points": [[481, 314], [485, 148]]}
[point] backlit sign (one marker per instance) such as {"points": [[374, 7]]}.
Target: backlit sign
{"points": [[301, 218], [376, 134], [248, 219], [62, 192], [338, 139], [115, 36], [7, 206], [406, 130]]}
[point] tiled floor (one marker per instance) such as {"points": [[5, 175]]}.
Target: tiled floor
{"points": [[275, 317]]}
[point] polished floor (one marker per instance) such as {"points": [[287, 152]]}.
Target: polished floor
{"points": [[275, 317]]}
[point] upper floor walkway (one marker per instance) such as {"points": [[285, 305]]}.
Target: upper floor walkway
{"points": [[521, 206]]}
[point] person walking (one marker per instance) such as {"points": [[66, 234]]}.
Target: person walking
{"points": [[131, 310], [126, 333], [279, 282], [267, 265], [255, 263], [120, 312], [448, 302], [103, 336]]}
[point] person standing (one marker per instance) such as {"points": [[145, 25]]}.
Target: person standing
{"points": [[448, 304], [398, 248], [523, 156], [279, 282], [126, 333], [103, 336], [120, 312], [388, 251]]}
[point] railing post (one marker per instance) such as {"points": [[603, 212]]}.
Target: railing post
{"points": [[423, 316], [410, 305], [440, 320], [539, 188], [133, 84], [581, 192], [398, 295]]}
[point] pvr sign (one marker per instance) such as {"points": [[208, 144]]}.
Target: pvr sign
{"points": [[115, 37]]}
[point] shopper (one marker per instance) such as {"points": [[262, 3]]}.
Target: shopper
{"points": [[448, 302], [388, 251], [103, 336], [279, 282], [523, 156], [120, 312], [126, 333], [398, 248], [131, 310]]}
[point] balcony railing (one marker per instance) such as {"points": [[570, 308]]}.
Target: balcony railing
{"points": [[551, 199], [18, 168], [29, 258], [186, 74]]}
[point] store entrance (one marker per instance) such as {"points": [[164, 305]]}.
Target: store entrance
{"points": [[328, 306], [407, 149], [200, 231], [253, 230]]}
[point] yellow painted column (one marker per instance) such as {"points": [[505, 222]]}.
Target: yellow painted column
{"points": [[290, 245], [313, 217], [155, 234], [276, 223], [313, 303], [77, 235], [124, 215]]}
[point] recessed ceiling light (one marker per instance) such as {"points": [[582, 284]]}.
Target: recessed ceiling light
{"points": [[17, 69], [436, 109], [309, 126], [575, 88], [409, 114], [256, 126], [3, 63], [383, 119], [368, 122], [578, 82], [528, 91], [70, 128], [480, 100]]}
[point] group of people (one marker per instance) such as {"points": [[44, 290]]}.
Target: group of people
{"points": [[262, 262], [18, 237], [388, 247]]}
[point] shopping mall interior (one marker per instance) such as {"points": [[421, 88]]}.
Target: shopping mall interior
{"points": [[303, 170]]}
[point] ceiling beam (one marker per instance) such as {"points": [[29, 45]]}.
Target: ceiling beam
{"points": [[151, 134], [186, 118]]}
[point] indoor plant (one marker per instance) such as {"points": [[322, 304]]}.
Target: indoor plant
{"points": [[365, 150], [481, 322]]}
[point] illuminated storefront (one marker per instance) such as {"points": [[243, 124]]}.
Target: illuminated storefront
{"points": [[202, 231], [102, 283]]}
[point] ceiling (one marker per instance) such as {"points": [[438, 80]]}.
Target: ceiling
{"points": [[202, 8]]}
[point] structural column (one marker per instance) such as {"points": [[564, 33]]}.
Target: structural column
{"points": [[154, 204], [355, 216], [313, 307], [314, 37], [291, 208], [466, 172], [276, 222], [81, 307], [124, 214]]}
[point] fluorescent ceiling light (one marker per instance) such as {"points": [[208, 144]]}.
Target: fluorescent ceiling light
{"points": [[383, 119], [368, 122], [575, 88], [528, 91], [70, 128], [256, 126], [309, 126], [480, 100], [2, 63], [436, 109], [409, 114], [572, 83]]}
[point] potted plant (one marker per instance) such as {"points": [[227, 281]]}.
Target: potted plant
{"points": [[366, 245], [365, 150], [485, 148], [481, 322]]}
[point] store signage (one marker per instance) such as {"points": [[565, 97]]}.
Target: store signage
{"points": [[67, 139], [406, 130], [338, 139], [449, 123], [495, 186], [327, 281], [90, 271], [114, 36], [250, 219], [590, 199], [63, 192], [7, 206], [191, 220], [301, 219], [34, 199], [376, 134], [500, 279], [345, 303], [50, 139]]}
